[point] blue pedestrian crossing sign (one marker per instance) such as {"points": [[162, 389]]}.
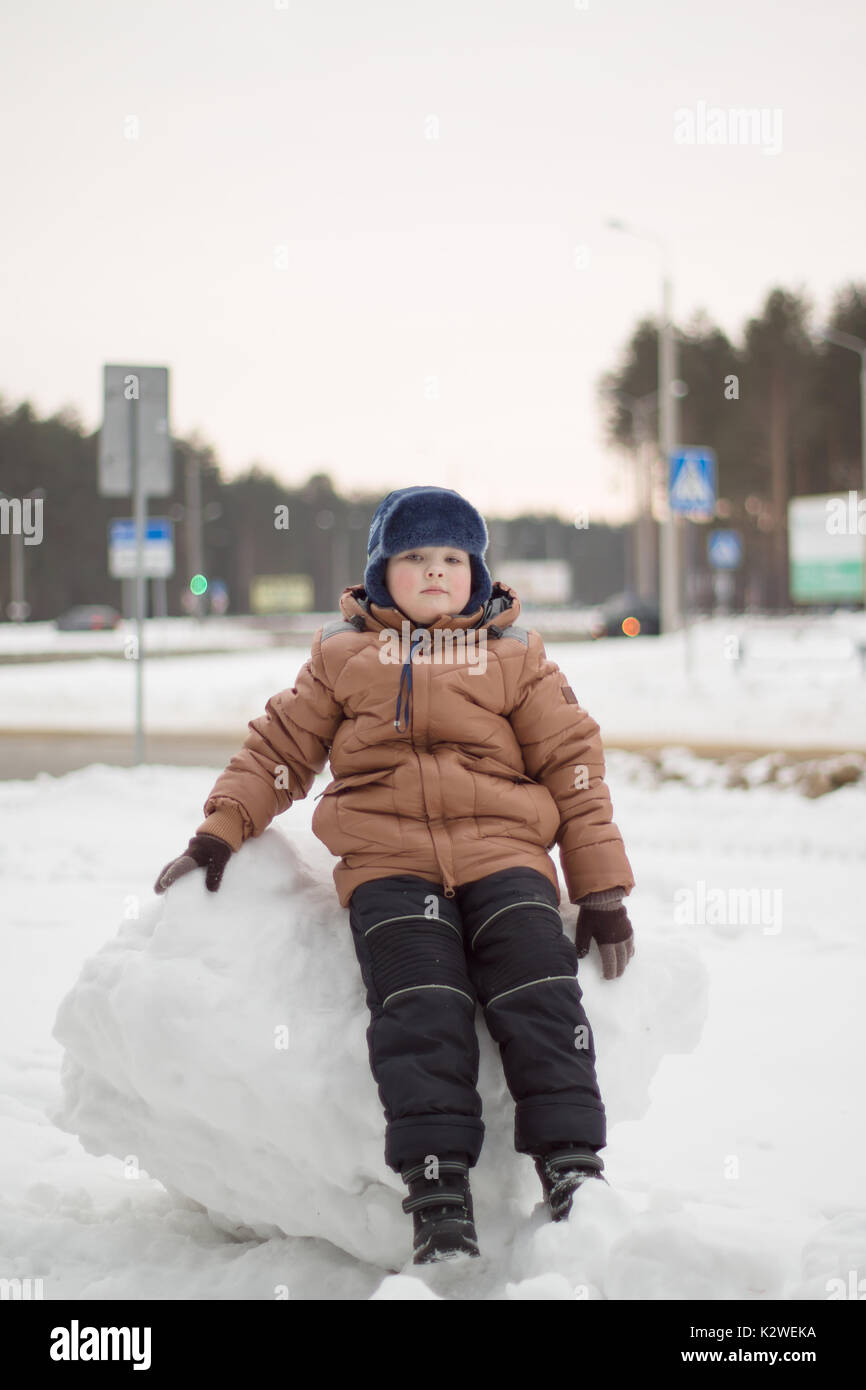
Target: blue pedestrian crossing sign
{"points": [[725, 550], [692, 482]]}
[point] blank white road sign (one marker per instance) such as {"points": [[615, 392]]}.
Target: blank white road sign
{"points": [[148, 386]]}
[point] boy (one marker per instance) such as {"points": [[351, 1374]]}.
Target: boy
{"points": [[460, 756]]}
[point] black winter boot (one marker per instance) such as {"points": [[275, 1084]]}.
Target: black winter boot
{"points": [[562, 1171], [442, 1211]]}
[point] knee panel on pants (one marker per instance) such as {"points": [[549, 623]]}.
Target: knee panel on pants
{"points": [[523, 946], [421, 953]]}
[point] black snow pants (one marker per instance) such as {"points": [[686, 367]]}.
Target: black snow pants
{"points": [[426, 961]]}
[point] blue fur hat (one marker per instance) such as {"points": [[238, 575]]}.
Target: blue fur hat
{"points": [[420, 516]]}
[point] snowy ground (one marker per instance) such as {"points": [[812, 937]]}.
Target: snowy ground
{"points": [[214, 632], [161, 635], [730, 1053], [801, 684]]}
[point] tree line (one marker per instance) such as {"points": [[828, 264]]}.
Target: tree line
{"points": [[780, 409]]}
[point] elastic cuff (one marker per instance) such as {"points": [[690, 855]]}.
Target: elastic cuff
{"points": [[608, 899], [417, 1136], [226, 825]]}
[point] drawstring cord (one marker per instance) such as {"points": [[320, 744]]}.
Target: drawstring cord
{"points": [[406, 675]]}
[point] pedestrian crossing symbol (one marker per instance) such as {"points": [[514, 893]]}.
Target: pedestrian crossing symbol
{"points": [[725, 549], [692, 487]]}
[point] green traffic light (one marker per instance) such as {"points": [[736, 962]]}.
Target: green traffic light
{"points": [[198, 584]]}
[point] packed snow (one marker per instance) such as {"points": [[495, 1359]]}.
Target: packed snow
{"points": [[187, 1106]]}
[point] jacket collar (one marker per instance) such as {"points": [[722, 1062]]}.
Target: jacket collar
{"points": [[500, 610]]}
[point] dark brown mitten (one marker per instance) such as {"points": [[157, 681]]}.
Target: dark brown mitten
{"points": [[203, 852]]}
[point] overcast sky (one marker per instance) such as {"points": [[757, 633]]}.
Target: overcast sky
{"points": [[369, 237]]}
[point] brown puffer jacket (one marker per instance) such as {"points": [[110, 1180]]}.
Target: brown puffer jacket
{"points": [[473, 758]]}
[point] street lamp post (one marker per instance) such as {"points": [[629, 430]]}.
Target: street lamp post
{"points": [[848, 340], [670, 596], [644, 566]]}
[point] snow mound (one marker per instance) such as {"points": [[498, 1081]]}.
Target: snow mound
{"points": [[218, 1044]]}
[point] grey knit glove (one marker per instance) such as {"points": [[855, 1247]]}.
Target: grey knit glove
{"points": [[602, 916]]}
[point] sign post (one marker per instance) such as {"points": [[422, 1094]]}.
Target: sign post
{"points": [[725, 554], [135, 459], [692, 493]]}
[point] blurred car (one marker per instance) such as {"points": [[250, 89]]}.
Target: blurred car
{"points": [[92, 617], [624, 615]]}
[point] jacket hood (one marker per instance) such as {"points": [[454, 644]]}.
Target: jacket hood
{"points": [[499, 612]]}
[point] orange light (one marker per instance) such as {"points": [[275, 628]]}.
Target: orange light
{"points": [[631, 627]]}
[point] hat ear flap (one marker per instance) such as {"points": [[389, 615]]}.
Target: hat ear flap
{"points": [[374, 583], [482, 585]]}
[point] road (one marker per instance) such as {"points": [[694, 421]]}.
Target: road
{"points": [[23, 755]]}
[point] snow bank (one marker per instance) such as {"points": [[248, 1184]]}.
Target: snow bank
{"points": [[218, 1043], [711, 1191]]}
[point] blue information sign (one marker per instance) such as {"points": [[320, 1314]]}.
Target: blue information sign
{"points": [[158, 548]]}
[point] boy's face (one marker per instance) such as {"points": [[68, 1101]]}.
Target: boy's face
{"points": [[430, 581]]}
